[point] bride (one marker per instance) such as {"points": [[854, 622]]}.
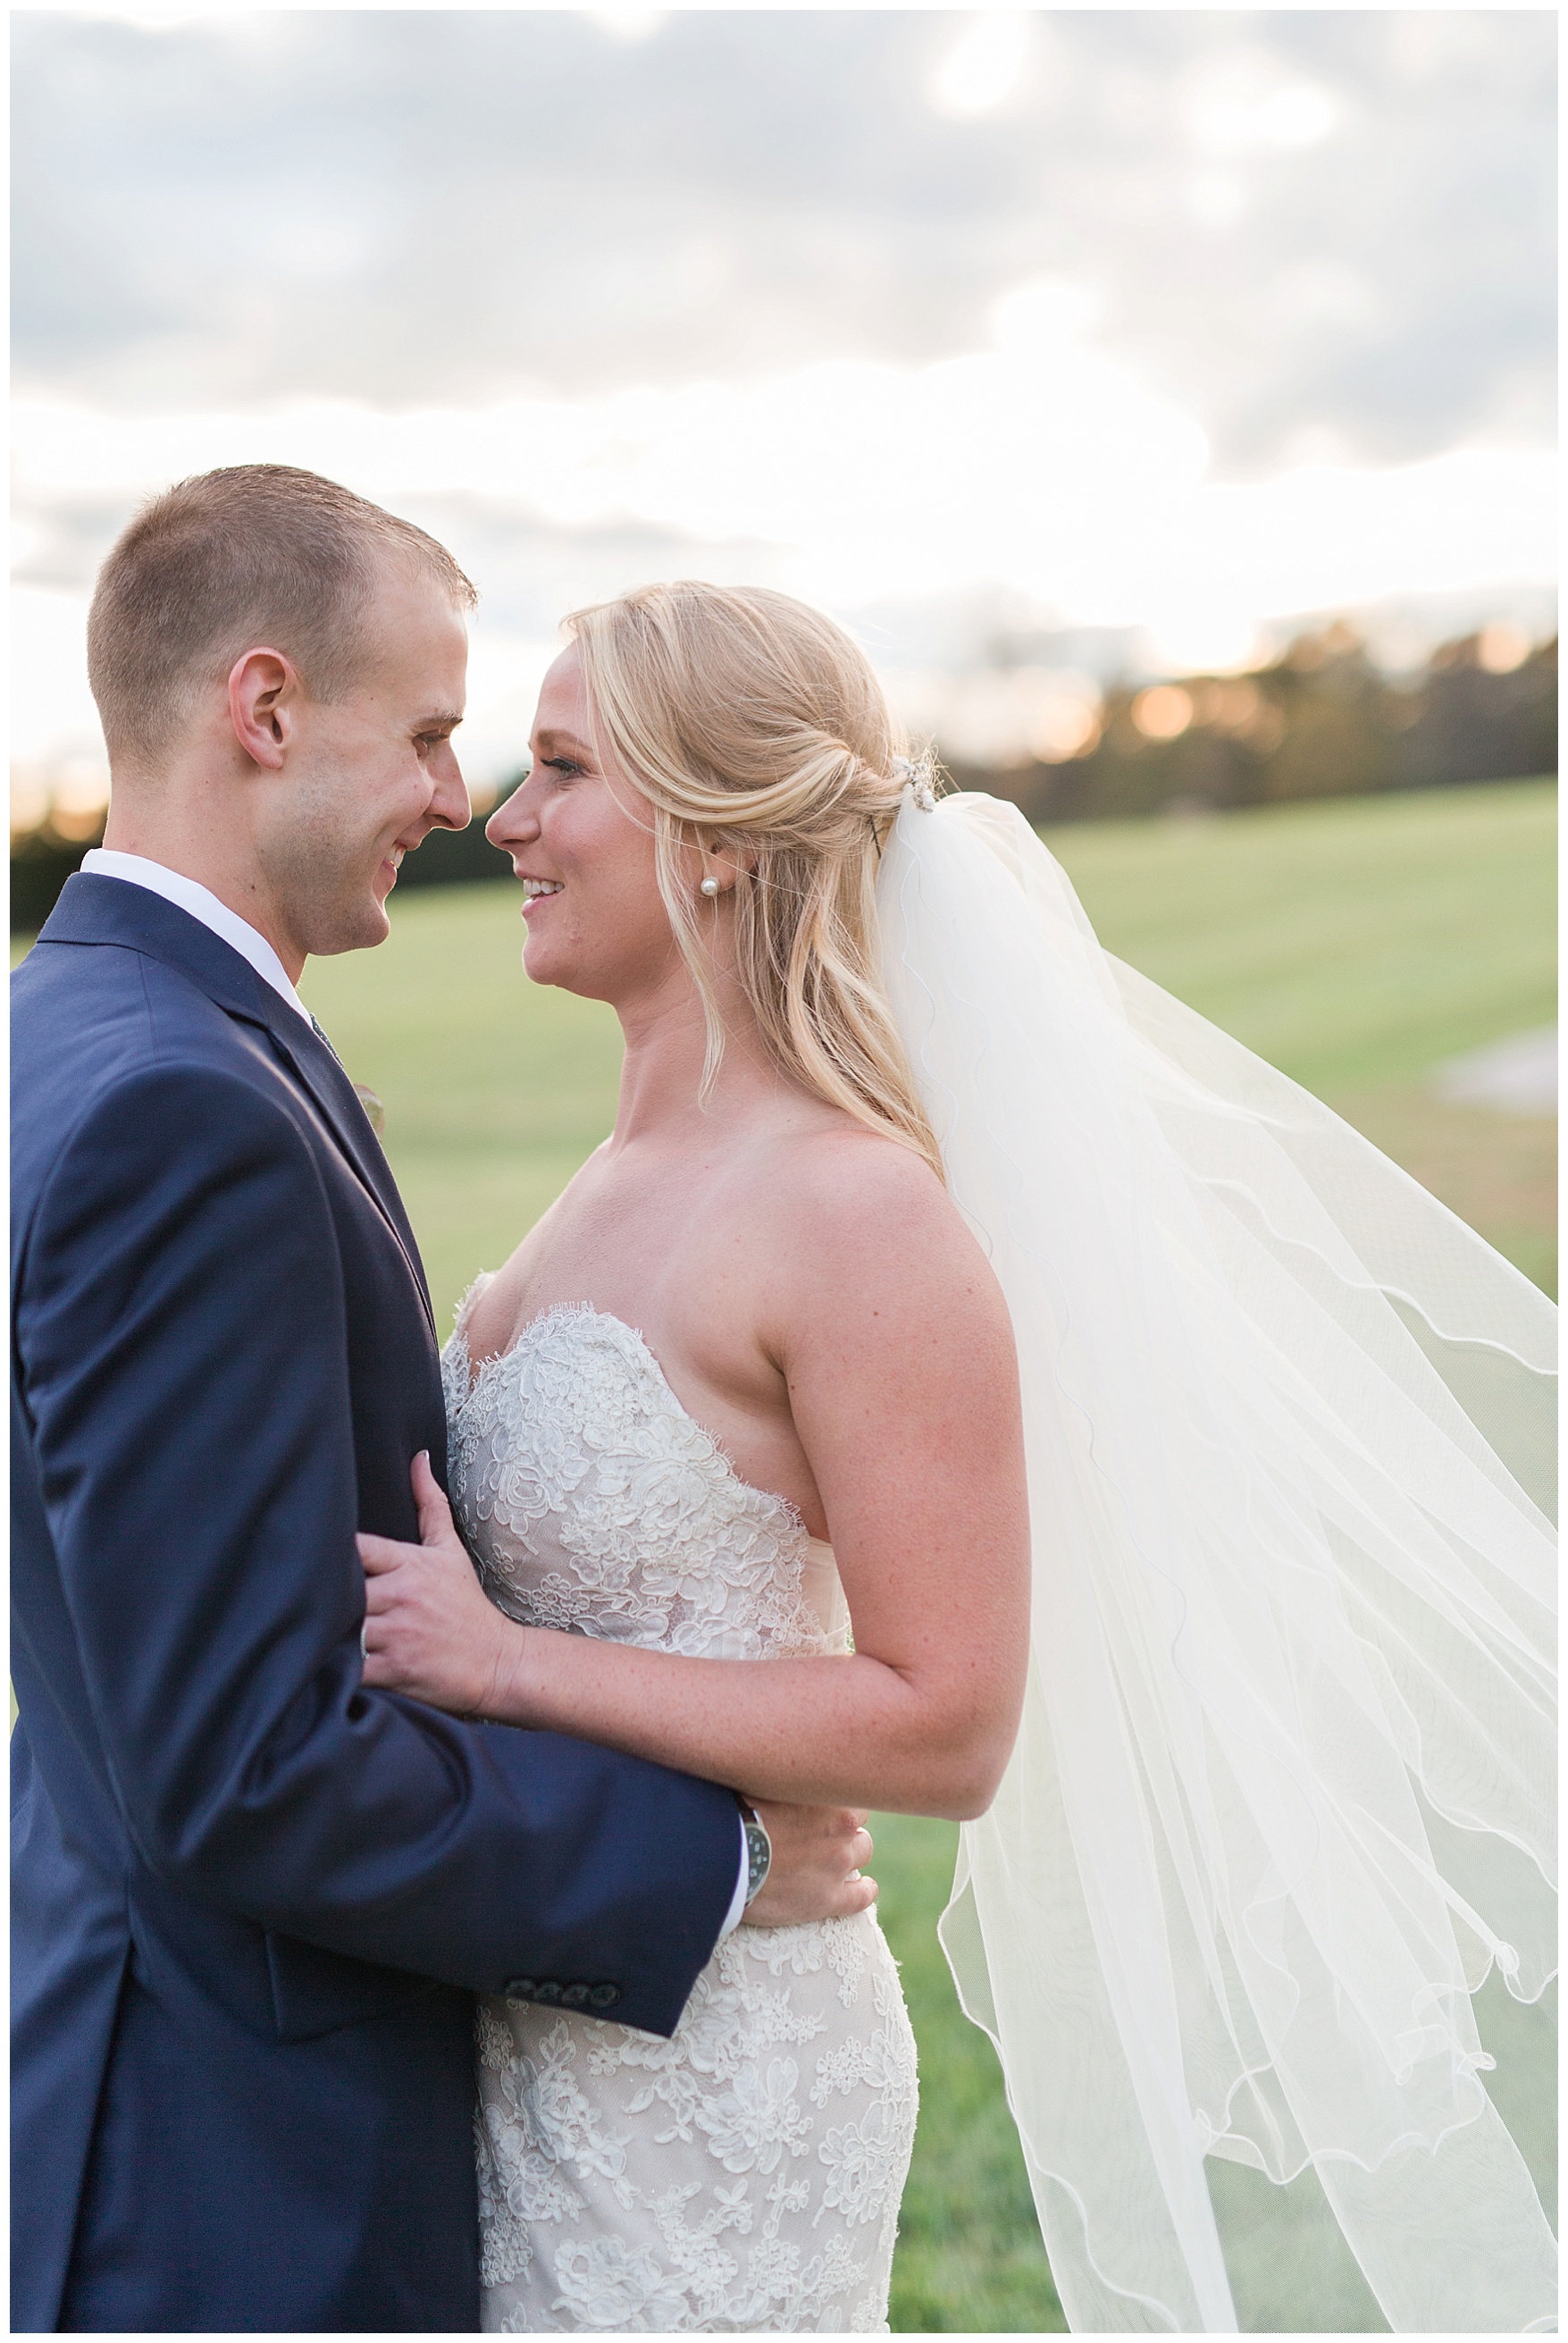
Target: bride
{"points": [[917, 1202], [752, 1323]]}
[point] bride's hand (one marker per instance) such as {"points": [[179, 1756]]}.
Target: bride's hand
{"points": [[429, 1629]]}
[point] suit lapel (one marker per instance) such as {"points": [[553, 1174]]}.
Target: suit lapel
{"points": [[369, 1155], [318, 1069], [101, 911]]}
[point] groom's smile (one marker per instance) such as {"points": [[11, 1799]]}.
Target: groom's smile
{"points": [[373, 772]]}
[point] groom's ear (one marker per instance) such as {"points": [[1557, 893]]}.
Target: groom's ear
{"points": [[264, 690]]}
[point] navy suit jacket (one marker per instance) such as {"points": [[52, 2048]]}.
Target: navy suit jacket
{"points": [[252, 1901]]}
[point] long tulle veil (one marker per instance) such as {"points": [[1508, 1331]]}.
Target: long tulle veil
{"points": [[1282, 1796]]}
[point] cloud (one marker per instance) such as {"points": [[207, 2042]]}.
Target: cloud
{"points": [[1064, 341], [461, 208], [1243, 102], [983, 66], [1036, 480]]}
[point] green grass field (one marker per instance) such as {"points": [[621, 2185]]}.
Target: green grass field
{"points": [[1354, 943]]}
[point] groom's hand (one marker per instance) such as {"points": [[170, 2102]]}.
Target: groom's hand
{"points": [[815, 1873]]}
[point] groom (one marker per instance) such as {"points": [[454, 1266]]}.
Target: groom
{"points": [[253, 1900]]}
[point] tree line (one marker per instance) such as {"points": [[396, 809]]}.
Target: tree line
{"points": [[1320, 720]]}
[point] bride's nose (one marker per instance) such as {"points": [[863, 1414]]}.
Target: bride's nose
{"points": [[514, 822]]}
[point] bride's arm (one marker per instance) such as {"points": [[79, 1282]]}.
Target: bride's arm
{"points": [[895, 1343]]}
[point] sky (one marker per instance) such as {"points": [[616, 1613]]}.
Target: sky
{"points": [[1078, 340]]}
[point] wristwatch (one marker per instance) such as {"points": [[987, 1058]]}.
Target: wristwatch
{"points": [[759, 1850]]}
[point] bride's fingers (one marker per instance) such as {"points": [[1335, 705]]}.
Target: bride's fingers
{"points": [[379, 1554], [434, 1512]]}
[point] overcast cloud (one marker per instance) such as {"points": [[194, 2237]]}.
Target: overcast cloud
{"points": [[1142, 327], [1326, 223]]}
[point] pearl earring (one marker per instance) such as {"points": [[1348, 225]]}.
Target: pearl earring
{"points": [[710, 885]]}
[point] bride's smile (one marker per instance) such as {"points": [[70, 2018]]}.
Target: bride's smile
{"points": [[582, 840]]}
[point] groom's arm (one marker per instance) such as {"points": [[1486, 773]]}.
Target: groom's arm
{"points": [[179, 1318]]}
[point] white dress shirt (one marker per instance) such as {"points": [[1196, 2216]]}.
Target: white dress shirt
{"points": [[108, 862]]}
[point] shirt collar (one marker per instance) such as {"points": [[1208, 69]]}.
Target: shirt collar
{"points": [[190, 895]]}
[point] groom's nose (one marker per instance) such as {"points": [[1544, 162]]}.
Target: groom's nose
{"points": [[449, 807]]}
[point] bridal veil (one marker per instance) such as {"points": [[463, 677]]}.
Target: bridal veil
{"points": [[1282, 1796]]}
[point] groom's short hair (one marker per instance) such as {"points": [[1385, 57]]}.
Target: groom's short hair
{"points": [[254, 554]]}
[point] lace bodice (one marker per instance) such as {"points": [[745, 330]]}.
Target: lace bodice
{"points": [[592, 1501], [744, 2176]]}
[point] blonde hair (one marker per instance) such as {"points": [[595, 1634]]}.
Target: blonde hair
{"points": [[756, 727]]}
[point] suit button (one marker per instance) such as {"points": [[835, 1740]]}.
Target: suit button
{"points": [[575, 1997], [603, 1996], [521, 1988], [548, 1990]]}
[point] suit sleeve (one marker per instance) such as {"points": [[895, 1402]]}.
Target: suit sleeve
{"points": [[183, 1364]]}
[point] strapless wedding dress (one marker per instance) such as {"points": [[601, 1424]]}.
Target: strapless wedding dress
{"points": [[745, 2175]]}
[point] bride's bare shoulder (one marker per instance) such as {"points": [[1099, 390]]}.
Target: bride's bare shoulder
{"points": [[838, 1166], [853, 1213]]}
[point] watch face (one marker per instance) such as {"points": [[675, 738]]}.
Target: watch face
{"points": [[758, 1856]]}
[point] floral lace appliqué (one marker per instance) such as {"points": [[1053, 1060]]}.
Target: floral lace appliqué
{"points": [[593, 1501]]}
